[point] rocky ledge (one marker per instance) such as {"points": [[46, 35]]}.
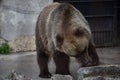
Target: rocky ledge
{"points": [[103, 72]]}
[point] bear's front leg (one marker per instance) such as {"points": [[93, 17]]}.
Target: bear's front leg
{"points": [[43, 64], [93, 54], [62, 63]]}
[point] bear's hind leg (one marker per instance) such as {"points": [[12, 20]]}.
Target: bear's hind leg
{"points": [[62, 63], [43, 64]]}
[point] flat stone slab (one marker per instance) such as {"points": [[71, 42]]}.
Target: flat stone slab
{"points": [[102, 72], [17, 76], [62, 77]]}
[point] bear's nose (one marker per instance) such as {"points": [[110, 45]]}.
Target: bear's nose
{"points": [[72, 41]]}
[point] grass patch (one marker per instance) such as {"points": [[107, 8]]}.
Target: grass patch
{"points": [[86, 75], [5, 48]]}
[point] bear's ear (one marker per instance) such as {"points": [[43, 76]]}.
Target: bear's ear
{"points": [[59, 39]]}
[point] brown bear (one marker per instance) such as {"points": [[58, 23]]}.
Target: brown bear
{"points": [[62, 32]]}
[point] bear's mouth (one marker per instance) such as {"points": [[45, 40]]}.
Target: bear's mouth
{"points": [[75, 47], [72, 50]]}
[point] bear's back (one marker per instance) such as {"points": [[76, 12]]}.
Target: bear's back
{"points": [[41, 24], [43, 17]]}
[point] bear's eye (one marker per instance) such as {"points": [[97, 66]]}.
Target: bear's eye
{"points": [[78, 33], [59, 39]]}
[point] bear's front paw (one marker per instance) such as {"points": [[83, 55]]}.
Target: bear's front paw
{"points": [[95, 63], [45, 75], [87, 64]]}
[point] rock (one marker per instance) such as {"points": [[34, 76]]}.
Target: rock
{"points": [[2, 41], [100, 78], [16, 76], [62, 77], [2, 79], [103, 72], [23, 43]]}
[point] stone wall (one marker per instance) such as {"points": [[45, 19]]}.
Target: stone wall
{"points": [[23, 43], [18, 18]]}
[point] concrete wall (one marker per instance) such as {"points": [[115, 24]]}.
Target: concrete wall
{"points": [[18, 17]]}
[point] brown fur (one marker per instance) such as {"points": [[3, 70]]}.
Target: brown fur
{"points": [[62, 31]]}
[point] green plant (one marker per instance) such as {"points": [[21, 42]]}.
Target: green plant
{"points": [[5, 48], [86, 75]]}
